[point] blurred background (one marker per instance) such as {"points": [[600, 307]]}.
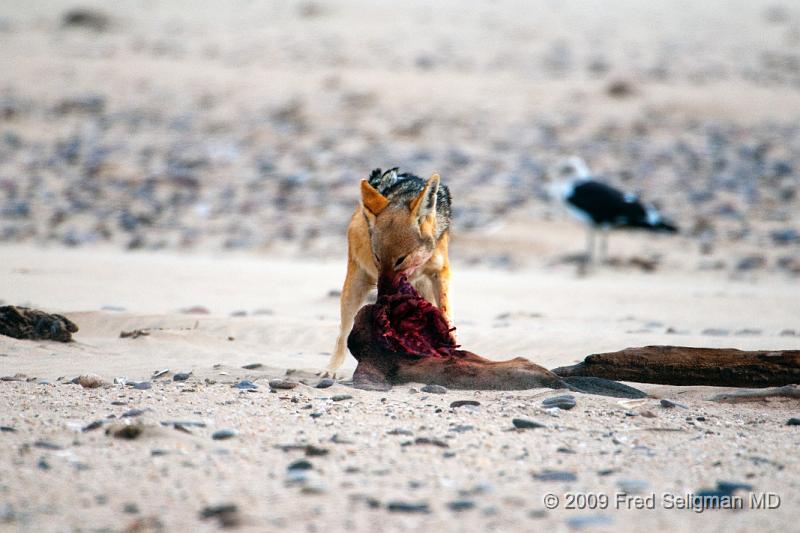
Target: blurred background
{"points": [[246, 125]]}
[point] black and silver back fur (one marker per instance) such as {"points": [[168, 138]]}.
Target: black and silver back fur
{"points": [[402, 188]]}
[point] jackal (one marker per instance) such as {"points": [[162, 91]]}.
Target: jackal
{"points": [[400, 227]]}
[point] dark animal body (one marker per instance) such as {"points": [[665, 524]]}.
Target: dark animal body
{"points": [[403, 338], [606, 206]]}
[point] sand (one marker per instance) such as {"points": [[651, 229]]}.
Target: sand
{"points": [[554, 318]]}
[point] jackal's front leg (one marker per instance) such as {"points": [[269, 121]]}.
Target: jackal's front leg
{"points": [[356, 287], [441, 287]]}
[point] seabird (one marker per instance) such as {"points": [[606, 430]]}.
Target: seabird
{"points": [[602, 207]]}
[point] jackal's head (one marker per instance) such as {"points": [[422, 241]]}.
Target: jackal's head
{"points": [[402, 230]]}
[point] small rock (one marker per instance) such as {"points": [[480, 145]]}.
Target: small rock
{"points": [[253, 366], [434, 389], [341, 397], [669, 404], [565, 401], [751, 262], [716, 332], [158, 373], [7, 429], [632, 486], [245, 384], [464, 403], [181, 376], [785, 236], [143, 385], [223, 434], [130, 508], [90, 381], [195, 310], [620, 89], [227, 514], [300, 464], [127, 431], [408, 507], [582, 521], [461, 505], [90, 19], [316, 451], [47, 445], [555, 475], [324, 383], [793, 422], [523, 423], [282, 384], [131, 413]]}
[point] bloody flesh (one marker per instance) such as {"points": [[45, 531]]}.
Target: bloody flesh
{"points": [[410, 324]]}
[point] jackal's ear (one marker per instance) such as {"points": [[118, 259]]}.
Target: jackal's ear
{"points": [[373, 201], [424, 205]]}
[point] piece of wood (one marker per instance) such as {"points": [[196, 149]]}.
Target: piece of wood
{"points": [[683, 365], [31, 324], [741, 396]]}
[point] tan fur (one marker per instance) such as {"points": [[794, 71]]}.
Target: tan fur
{"points": [[397, 233]]}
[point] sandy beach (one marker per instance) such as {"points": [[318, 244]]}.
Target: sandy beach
{"points": [[177, 177]]}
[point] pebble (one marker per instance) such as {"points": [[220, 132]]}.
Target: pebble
{"points": [[669, 404], [555, 475], [223, 434], [90, 381], [341, 397], [523, 423], [434, 389], [227, 514], [324, 383], [752, 262], [716, 332], [127, 432], [582, 521], [7, 429], [253, 366], [300, 464], [181, 376], [461, 505], [158, 373], [464, 403], [565, 401], [632, 486], [47, 445], [245, 384], [316, 451], [408, 507], [282, 384], [143, 385], [793, 422], [130, 508], [131, 413]]}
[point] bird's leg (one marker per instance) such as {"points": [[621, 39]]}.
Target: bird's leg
{"points": [[604, 245], [590, 245]]}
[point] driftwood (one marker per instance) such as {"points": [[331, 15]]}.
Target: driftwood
{"points": [[741, 396], [681, 365], [25, 323], [402, 338]]}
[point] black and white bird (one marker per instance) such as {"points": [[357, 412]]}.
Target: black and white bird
{"points": [[602, 207]]}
